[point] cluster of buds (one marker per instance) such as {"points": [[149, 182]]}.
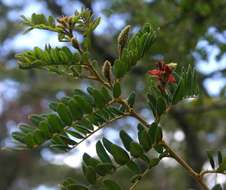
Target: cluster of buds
{"points": [[163, 74], [65, 21]]}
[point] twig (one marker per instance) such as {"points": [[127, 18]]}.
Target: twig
{"points": [[141, 176], [173, 154]]}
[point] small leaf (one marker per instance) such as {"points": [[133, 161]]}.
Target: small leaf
{"points": [[144, 139], [222, 166], [102, 153], [219, 157], [152, 133], [126, 139], [55, 123], [210, 157], [136, 149], [131, 99], [217, 187], [76, 187], [133, 167], [111, 185], [153, 162], [90, 174], [89, 161], [64, 113], [105, 168], [119, 154], [116, 90], [107, 144]]}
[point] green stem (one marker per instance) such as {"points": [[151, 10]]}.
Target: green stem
{"points": [[173, 154], [141, 176], [98, 77]]}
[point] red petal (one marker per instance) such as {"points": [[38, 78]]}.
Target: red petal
{"points": [[171, 79], [154, 72], [167, 69]]}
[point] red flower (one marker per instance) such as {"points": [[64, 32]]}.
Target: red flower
{"points": [[163, 74]]}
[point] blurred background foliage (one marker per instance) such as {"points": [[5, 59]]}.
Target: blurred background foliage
{"points": [[189, 32]]}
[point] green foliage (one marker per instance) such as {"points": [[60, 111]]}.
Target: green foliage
{"points": [[95, 169], [40, 21], [76, 117], [73, 118], [217, 161], [82, 22], [59, 60], [134, 50], [217, 187], [185, 87]]}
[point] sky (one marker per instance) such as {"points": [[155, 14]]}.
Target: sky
{"points": [[10, 89]]}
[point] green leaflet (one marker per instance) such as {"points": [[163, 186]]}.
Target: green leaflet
{"points": [[83, 104], [76, 116], [111, 185], [76, 187], [90, 174], [116, 90], [126, 139], [131, 99], [222, 166], [64, 113], [25, 128], [39, 58], [75, 134], [211, 159], [143, 138], [135, 149], [102, 153], [133, 167], [55, 123], [107, 145], [98, 97], [105, 168], [89, 161], [134, 50], [217, 187], [153, 162], [119, 154], [219, 157]]}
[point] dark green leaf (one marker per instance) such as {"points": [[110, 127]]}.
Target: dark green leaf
{"points": [[111, 185], [105, 168], [64, 113], [116, 90], [102, 153], [211, 159], [90, 174], [126, 139], [136, 149], [119, 154]]}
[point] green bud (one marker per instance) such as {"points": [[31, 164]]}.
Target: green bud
{"points": [[106, 70], [75, 43], [122, 38]]}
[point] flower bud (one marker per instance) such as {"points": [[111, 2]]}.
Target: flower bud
{"points": [[122, 38], [75, 43], [106, 70], [172, 65]]}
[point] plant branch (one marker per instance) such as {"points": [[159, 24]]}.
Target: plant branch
{"points": [[137, 181], [100, 127], [98, 77], [173, 154]]}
